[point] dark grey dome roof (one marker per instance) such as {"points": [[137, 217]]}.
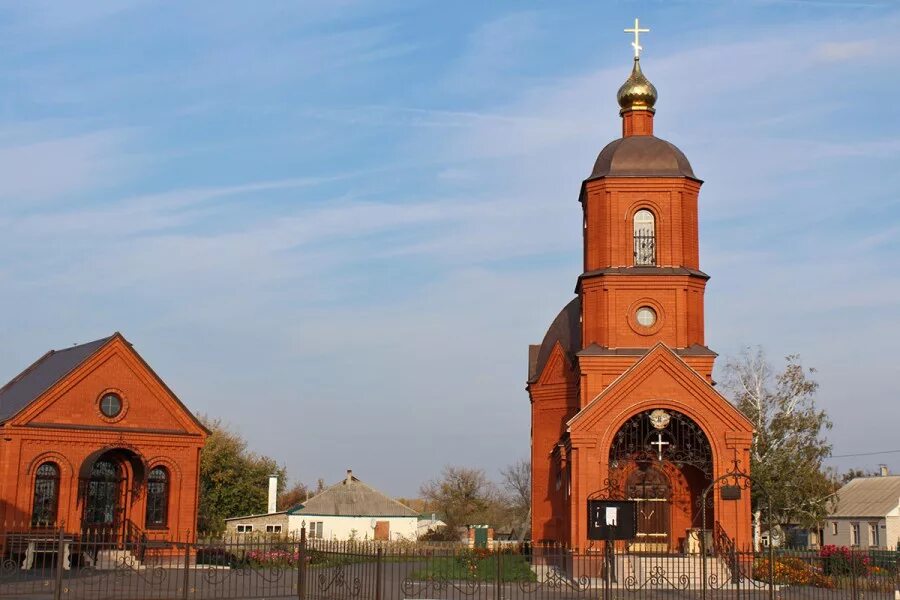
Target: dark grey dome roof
{"points": [[641, 156], [565, 329]]}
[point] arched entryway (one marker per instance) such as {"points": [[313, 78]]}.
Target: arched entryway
{"points": [[109, 482], [664, 461]]}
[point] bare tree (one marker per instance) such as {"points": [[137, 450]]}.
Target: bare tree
{"points": [[293, 496], [517, 488], [788, 445], [852, 474]]}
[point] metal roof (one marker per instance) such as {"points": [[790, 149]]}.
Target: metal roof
{"points": [[641, 156], [43, 374], [353, 498], [868, 497], [565, 329]]}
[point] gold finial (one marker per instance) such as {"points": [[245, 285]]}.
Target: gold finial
{"points": [[637, 93], [637, 31]]}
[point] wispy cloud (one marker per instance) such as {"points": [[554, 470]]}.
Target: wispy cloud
{"points": [[328, 200], [843, 51], [44, 169]]}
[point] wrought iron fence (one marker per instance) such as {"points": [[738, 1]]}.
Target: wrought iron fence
{"points": [[40, 565]]}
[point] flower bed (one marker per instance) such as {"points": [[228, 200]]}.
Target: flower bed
{"points": [[792, 571]]}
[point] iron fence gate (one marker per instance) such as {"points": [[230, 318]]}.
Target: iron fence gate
{"points": [[54, 565]]}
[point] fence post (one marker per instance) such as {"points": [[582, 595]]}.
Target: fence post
{"points": [[187, 569], [301, 566], [703, 560], [607, 562], [61, 543], [379, 565], [771, 570], [498, 579]]}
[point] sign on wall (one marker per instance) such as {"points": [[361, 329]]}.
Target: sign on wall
{"points": [[612, 519]]}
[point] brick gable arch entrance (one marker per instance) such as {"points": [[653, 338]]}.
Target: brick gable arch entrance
{"points": [[110, 481], [665, 461]]}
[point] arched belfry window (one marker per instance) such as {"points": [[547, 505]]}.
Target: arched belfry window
{"points": [[46, 495], [157, 497], [644, 238]]}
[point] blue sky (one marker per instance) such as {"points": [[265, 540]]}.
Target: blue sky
{"points": [[338, 224]]}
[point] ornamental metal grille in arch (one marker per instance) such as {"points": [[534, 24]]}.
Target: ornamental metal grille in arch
{"points": [[644, 247], [680, 441]]}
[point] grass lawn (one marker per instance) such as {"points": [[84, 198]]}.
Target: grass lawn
{"points": [[513, 568]]}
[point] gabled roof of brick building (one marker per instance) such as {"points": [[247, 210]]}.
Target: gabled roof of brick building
{"points": [[43, 374], [54, 367], [352, 498]]}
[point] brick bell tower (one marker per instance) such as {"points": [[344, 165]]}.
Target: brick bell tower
{"points": [[642, 283], [631, 345]]}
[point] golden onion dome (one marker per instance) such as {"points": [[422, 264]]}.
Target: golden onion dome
{"points": [[637, 93]]}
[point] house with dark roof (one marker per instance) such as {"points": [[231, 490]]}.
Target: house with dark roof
{"points": [[94, 440], [866, 513], [349, 509]]}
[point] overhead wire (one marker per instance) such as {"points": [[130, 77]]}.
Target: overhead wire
{"points": [[864, 454]]}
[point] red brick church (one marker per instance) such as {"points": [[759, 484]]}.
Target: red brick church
{"points": [[621, 387], [91, 439]]}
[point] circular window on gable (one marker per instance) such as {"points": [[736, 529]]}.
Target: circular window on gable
{"points": [[111, 405], [645, 316]]}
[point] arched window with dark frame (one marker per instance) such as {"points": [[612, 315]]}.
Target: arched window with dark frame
{"points": [[157, 497], [644, 238], [46, 495]]}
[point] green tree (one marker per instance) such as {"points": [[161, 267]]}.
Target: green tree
{"points": [[789, 444], [233, 480], [462, 496]]}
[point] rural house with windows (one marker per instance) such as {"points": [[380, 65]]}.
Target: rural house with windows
{"points": [[866, 513], [347, 510], [94, 441]]}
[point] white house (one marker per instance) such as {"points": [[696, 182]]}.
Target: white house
{"points": [[353, 510], [867, 513], [349, 510]]}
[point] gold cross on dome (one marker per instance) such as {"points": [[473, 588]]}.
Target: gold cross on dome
{"points": [[637, 31]]}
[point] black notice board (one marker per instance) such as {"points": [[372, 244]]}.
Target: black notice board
{"points": [[612, 519]]}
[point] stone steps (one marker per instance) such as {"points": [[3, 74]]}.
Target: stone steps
{"points": [[115, 559], [673, 571]]}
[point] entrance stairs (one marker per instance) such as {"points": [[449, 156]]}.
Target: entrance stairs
{"points": [[670, 571], [108, 560]]}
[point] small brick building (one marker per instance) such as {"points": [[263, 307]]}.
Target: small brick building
{"points": [[93, 439], [621, 389]]}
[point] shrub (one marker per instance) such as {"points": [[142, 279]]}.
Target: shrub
{"points": [[218, 557], [841, 560]]}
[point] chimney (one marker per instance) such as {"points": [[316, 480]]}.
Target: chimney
{"points": [[273, 493], [883, 470], [349, 476]]}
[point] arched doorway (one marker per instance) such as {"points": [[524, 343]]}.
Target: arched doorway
{"points": [[109, 483], [665, 461]]}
